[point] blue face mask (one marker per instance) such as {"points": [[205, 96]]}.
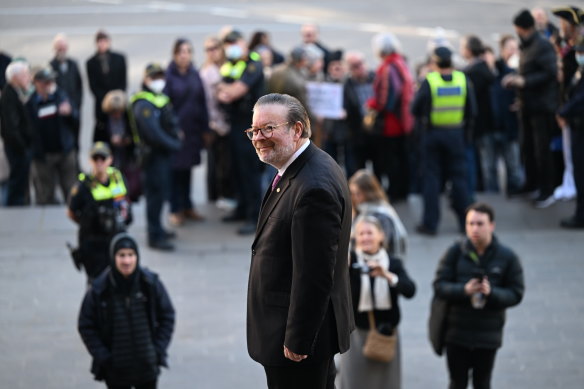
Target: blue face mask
{"points": [[233, 52], [580, 58]]}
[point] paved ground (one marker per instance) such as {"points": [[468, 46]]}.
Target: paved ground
{"points": [[40, 291]]}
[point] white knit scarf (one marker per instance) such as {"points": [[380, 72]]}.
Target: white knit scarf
{"points": [[380, 285]]}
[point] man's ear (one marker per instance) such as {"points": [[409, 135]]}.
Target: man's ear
{"points": [[298, 128]]}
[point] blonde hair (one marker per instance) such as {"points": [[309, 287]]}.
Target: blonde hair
{"points": [[115, 100]]}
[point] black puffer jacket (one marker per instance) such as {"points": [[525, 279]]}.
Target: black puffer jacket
{"points": [[96, 325], [538, 65], [467, 326]]}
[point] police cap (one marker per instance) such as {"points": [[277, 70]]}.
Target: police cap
{"points": [[154, 69], [100, 149], [232, 37]]}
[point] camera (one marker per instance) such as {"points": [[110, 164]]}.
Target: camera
{"points": [[362, 268]]}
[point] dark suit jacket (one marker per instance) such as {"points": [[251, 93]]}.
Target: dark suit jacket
{"points": [[101, 83], [299, 292]]}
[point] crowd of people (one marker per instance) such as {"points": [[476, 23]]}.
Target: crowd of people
{"points": [[521, 106], [442, 128]]}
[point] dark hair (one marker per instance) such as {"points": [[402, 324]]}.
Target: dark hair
{"points": [[368, 185], [504, 39], [296, 111], [257, 39], [178, 43], [482, 208], [474, 45]]}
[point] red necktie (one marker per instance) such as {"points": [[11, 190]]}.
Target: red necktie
{"points": [[276, 180]]}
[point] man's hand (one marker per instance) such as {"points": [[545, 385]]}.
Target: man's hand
{"points": [[65, 108], [472, 286], [293, 356], [513, 81], [485, 286]]}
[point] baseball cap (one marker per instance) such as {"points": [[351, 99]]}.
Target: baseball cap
{"points": [[45, 74]]}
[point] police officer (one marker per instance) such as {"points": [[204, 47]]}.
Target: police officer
{"points": [[445, 105], [158, 133], [99, 204], [242, 85]]}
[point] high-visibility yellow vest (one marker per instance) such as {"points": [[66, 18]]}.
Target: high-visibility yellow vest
{"points": [[158, 100], [235, 70], [115, 189], [448, 99]]}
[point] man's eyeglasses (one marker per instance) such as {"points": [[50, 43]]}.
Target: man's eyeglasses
{"points": [[266, 131], [98, 158], [212, 48]]}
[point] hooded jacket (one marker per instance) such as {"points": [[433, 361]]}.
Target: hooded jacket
{"points": [[95, 323]]}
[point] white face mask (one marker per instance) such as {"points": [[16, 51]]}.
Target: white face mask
{"points": [[233, 52], [157, 86]]}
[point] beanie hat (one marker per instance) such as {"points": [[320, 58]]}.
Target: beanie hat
{"points": [[122, 241], [524, 19]]}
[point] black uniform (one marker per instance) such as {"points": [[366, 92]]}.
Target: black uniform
{"points": [[99, 221]]}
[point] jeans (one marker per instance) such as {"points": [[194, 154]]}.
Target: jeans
{"points": [[462, 360], [444, 160], [17, 191], [157, 189], [491, 146]]}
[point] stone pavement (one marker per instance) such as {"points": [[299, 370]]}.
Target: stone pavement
{"points": [[40, 293]]}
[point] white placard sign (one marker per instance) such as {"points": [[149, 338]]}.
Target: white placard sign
{"points": [[325, 99]]}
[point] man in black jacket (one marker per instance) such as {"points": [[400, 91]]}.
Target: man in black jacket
{"points": [[538, 91], [16, 131], [106, 71], [479, 278], [126, 320]]}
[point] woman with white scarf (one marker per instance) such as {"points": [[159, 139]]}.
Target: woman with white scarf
{"points": [[376, 281]]}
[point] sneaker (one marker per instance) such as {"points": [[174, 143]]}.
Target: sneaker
{"points": [[176, 219], [166, 234], [572, 223], [544, 201]]}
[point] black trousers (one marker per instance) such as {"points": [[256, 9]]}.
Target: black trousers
{"points": [[578, 161], [537, 131], [146, 385], [313, 376], [461, 361]]}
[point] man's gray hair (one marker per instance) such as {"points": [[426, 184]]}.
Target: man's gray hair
{"points": [[296, 111], [385, 43], [15, 68]]}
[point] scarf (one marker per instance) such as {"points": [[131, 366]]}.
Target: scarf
{"points": [[382, 299]]}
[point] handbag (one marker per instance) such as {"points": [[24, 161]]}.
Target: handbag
{"points": [[437, 323], [373, 122], [379, 347]]}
